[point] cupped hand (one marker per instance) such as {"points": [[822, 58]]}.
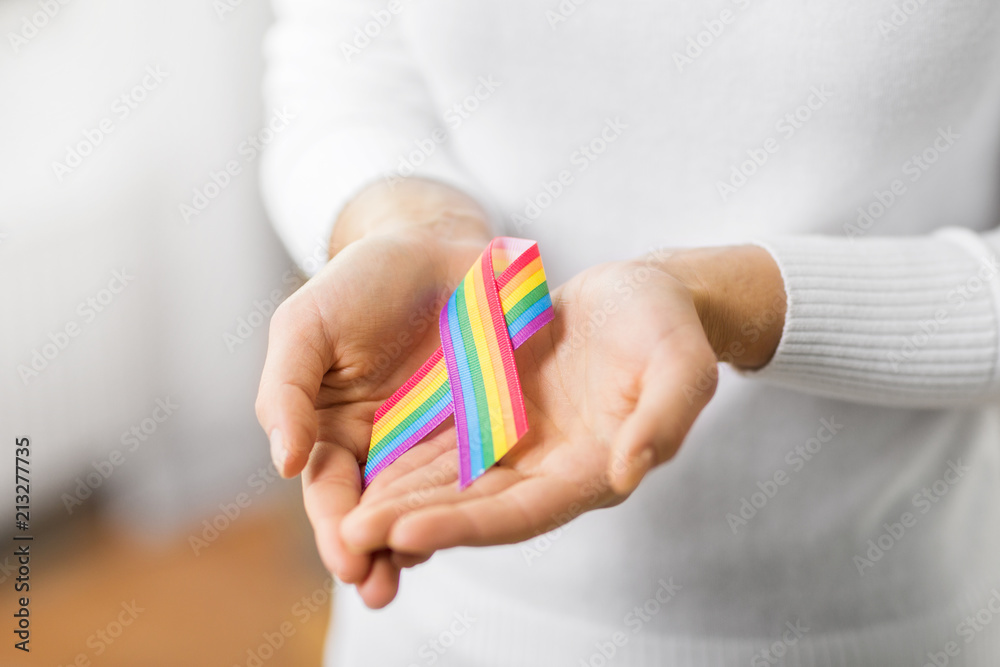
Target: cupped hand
{"points": [[337, 349], [612, 385]]}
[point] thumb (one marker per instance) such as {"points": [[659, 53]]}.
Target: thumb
{"points": [[677, 383], [298, 356]]}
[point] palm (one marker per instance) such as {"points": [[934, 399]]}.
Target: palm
{"points": [[377, 343], [336, 352], [583, 377]]}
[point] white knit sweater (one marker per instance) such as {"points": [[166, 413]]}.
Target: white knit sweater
{"points": [[840, 507]]}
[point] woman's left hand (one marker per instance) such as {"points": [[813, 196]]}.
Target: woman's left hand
{"points": [[612, 385]]}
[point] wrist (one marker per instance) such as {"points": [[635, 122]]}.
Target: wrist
{"points": [[740, 297], [426, 211]]}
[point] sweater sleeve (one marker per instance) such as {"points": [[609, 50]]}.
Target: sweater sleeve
{"points": [[910, 322], [360, 113]]}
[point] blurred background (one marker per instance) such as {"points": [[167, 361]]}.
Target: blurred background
{"points": [[137, 276]]}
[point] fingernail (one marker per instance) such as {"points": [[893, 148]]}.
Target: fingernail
{"points": [[279, 454]]}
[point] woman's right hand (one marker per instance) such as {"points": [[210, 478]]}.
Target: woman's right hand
{"points": [[345, 341]]}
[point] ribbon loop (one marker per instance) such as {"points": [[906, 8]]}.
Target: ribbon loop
{"points": [[502, 301]]}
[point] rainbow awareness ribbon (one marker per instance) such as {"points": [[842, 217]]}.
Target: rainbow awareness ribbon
{"points": [[502, 301]]}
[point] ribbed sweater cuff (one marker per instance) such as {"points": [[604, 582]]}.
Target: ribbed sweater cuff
{"points": [[895, 321]]}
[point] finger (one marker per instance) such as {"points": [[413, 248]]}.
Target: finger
{"points": [[382, 584], [402, 561], [521, 511], [331, 487], [415, 458], [368, 526], [298, 355], [669, 402]]}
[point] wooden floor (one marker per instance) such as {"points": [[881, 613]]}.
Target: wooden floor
{"points": [[216, 608]]}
